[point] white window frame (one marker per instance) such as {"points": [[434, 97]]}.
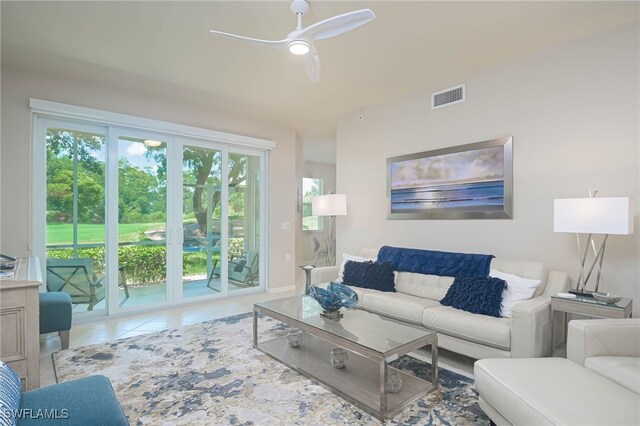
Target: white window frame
{"points": [[112, 124]]}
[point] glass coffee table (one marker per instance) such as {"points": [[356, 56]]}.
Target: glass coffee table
{"points": [[371, 341]]}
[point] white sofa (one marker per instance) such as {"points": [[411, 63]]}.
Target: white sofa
{"points": [[417, 300], [599, 383]]}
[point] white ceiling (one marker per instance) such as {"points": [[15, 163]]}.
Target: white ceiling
{"points": [[411, 45]]}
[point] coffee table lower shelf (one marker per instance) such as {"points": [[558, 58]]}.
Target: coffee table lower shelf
{"points": [[359, 382]]}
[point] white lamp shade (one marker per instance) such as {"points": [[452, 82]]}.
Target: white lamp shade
{"points": [[606, 215], [329, 205]]}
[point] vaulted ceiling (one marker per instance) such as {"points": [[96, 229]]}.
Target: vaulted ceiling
{"points": [[411, 45]]}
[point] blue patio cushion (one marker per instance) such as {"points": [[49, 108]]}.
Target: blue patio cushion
{"points": [[55, 312], [87, 401], [10, 390]]}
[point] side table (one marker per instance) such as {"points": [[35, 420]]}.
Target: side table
{"points": [[589, 307]]}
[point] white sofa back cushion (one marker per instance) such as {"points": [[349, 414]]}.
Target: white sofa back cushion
{"points": [[427, 286]]}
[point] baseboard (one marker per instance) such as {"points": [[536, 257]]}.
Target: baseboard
{"points": [[282, 289]]}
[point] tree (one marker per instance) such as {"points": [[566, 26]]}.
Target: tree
{"points": [[139, 194], [202, 167]]}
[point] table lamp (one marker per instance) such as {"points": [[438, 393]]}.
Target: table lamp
{"points": [[592, 216], [330, 205]]}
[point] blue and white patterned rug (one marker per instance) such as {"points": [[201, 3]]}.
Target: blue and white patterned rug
{"points": [[210, 374]]}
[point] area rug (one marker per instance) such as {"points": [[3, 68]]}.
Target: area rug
{"points": [[210, 374]]}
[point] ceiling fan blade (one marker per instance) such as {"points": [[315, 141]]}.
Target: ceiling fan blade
{"points": [[312, 65], [336, 25], [272, 43]]}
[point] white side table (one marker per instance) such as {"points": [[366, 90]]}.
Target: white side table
{"points": [[589, 307]]}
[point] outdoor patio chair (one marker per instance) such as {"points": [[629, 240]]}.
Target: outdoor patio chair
{"points": [[243, 271], [77, 278]]}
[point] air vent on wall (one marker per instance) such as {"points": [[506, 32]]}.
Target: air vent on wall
{"points": [[446, 97]]}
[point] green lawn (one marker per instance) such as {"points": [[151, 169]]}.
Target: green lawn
{"points": [[62, 233]]}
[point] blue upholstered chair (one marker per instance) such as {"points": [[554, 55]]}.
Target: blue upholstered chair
{"points": [[55, 315], [87, 401]]}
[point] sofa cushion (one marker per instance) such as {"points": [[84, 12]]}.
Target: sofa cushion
{"points": [[397, 305], [623, 370], [10, 391], [376, 276], [478, 295], [429, 286], [543, 391], [518, 289], [347, 257], [486, 330]]}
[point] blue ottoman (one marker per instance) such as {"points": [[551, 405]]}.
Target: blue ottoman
{"points": [[55, 315]]}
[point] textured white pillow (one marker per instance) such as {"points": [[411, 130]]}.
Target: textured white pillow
{"points": [[518, 289], [346, 257]]}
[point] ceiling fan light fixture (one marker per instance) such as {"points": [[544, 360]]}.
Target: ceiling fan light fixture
{"points": [[152, 143], [299, 47]]}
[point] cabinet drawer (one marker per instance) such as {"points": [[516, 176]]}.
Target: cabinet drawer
{"points": [[12, 330]]}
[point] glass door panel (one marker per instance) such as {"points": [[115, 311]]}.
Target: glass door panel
{"points": [[142, 221], [201, 221], [244, 221], [75, 221]]}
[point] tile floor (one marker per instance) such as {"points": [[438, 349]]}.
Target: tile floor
{"points": [[118, 328]]}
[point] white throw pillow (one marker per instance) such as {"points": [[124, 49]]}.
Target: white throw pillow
{"points": [[346, 257], [518, 289]]}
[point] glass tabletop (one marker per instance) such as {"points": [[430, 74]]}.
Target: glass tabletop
{"points": [[372, 331], [622, 304]]}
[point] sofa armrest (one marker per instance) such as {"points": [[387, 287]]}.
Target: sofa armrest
{"points": [[557, 282], [531, 328], [324, 274], [603, 337]]}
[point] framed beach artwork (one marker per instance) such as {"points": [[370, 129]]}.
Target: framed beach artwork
{"points": [[473, 181]]}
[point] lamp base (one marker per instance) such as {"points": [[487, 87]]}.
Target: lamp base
{"points": [[583, 293]]}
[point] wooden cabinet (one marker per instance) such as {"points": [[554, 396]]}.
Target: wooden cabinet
{"points": [[20, 321]]}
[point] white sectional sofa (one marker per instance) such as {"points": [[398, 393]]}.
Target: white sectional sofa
{"points": [[598, 383], [417, 300]]}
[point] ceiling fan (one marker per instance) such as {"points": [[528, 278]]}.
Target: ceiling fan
{"points": [[301, 40]]}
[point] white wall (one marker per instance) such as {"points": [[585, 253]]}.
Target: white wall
{"points": [[117, 92], [326, 172], [574, 115]]}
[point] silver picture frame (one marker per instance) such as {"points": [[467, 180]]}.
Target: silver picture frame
{"points": [[471, 181]]}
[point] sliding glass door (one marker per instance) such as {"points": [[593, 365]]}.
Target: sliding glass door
{"points": [[142, 221], [75, 213], [244, 221], [136, 219], [201, 221]]}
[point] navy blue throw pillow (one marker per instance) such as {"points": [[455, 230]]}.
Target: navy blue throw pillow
{"points": [[476, 294], [375, 276]]}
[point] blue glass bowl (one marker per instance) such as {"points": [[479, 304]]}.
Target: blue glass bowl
{"points": [[328, 300], [348, 297], [337, 296]]}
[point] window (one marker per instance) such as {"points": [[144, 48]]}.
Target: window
{"points": [[130, 218], [310, 188]]}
